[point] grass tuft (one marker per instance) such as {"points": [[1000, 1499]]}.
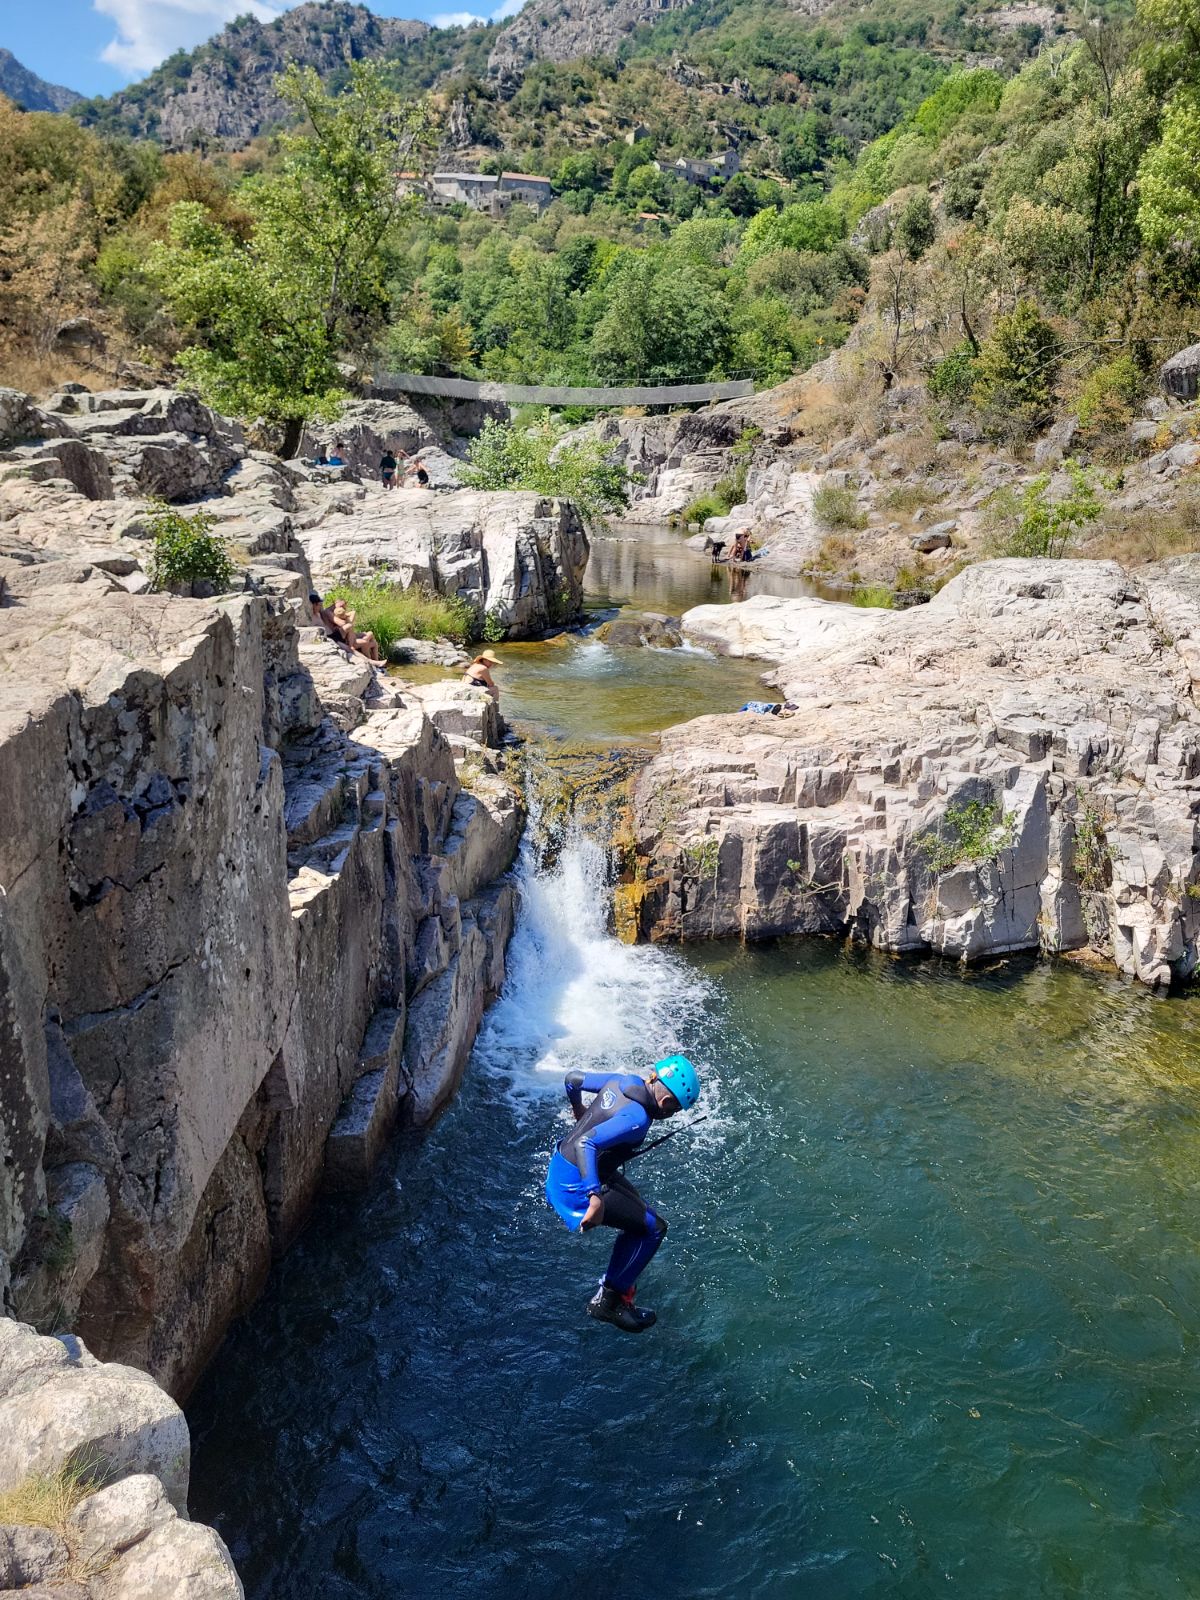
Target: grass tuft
{"points": [[874, 594], [46, 1500], [391, 613]]}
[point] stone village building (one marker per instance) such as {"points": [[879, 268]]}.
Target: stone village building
{"points": [[481, 191]]}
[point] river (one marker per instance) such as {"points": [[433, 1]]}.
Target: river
{"points": [[928, 1308]]}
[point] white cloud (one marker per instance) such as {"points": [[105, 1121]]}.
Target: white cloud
{"points": [[150, 30], [465, 19]]}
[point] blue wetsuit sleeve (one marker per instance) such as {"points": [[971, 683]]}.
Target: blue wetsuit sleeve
{"points": [[628, 1126], [579, 1083]]}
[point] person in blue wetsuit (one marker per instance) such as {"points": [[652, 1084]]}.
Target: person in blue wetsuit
{"points": [[585, 1187]]}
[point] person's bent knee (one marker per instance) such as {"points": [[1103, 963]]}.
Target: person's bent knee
{"points": [[660, 1225]]}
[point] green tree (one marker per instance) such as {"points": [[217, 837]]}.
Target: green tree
{"points": [[1047, 527], [537, 457], [916, 231], [662, 322], [1015, 373], [271, 315], [1169, 177], [808, 225]]}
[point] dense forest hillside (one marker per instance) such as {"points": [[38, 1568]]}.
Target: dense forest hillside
{"points": [[742, 188], [26, 89]]}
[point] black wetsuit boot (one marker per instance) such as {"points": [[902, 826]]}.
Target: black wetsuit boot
{"points": [[608, 1305]]}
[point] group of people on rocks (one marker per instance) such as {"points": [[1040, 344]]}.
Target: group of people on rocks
{"points": [[389, 467], [336, 621], [390, 471]]}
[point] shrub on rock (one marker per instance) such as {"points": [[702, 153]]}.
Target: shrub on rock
{"points": [[1016, 371], [187, 552]]}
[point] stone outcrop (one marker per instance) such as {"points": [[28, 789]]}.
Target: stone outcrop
{"points": [[26, 89], [1014, 766], [517, 558], [677, 457], [126, 1535], [566, 30], [1180, 375], [76, 475], [227, 94], [220, 898]]}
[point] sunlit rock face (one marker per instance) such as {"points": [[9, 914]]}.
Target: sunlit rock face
{"points": [[1014, 766], [248, 916]]}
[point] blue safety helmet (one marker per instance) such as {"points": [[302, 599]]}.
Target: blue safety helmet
{"points": [[681, 1078]]}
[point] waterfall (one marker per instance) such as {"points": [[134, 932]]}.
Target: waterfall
{"points": [[576, 996]]}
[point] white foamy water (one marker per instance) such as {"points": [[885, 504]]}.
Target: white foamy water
{"points": [[575, 995]]}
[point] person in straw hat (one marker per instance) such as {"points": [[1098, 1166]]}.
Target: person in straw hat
{"points": [[480, 673]]}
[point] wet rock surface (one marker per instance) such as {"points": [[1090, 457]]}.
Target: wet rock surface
{"points": [[1014, 766]]}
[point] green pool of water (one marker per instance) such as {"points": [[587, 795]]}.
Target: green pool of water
{"points": [[928, 1306], [579, 688]]}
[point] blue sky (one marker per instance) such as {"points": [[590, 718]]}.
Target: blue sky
{"points": [[97, 46]]}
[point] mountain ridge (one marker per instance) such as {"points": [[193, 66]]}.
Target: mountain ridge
{"points": [[223, 91], [23, 86], [221, 94]]}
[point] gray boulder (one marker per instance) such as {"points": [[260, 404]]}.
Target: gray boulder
{"points": [[59, 1405], [939, 537], [1180, 375], [30, 1555], [518, 558]]}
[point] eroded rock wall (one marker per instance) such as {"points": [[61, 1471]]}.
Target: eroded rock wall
{"points": [[1014, 766], [216, 903]]}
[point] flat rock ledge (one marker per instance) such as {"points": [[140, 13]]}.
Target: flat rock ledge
{"points": [[127, 1537], [1055, 698]]}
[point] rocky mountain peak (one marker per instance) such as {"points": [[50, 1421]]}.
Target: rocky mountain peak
{"points": [[564, 30], [224, 91], [26, 89]]}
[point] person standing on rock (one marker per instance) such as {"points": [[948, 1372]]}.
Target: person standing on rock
{"points": [[387, 469], [586, 1188]]}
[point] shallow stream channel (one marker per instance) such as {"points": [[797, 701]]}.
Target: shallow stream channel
{"points": [[928, 1309]]}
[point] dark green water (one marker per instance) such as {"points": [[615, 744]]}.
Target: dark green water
{"points": [[928, 1306]]}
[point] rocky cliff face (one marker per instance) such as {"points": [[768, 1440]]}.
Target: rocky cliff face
{"points": [[248, 913], [26, 89], [1014, 766], [564, 30], [224, 91]]}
